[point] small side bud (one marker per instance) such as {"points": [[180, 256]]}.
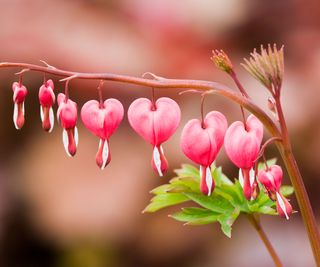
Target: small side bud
{"points": [[222, 61]]}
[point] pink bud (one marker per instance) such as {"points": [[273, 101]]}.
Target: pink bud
{"points": [[155, 122], [284, 208], [242, 144], [271, 178], [19, 94], [47, 99], [67, 116], [201, 144], [102, 120]]}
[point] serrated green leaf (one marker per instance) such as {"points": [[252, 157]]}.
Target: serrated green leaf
{"points": [[190, 182], [187, 170], [214, 202], [267, 210], [196, 216], [165, 200], [286, 190], [219, 177], [226, 221], [162, 189]]}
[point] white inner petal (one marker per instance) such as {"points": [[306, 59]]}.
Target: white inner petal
{"points": [[157, 160], [282, 205], [76, 136], [241, 180], [41, 113], [23, 108], [251, 176], [105, 153], [65, 141], [15, 115], [51, 119], [209, 180]]}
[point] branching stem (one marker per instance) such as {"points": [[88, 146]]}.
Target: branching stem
{"points": [[216, 88]]}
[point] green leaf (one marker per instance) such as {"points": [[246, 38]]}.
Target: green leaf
{"points": [[165, 200], [214, 202], [187, 170], [226, 221], [286, 190], [267, 210], [219, 177], [162, 189], [196, 216], [189, 182]]}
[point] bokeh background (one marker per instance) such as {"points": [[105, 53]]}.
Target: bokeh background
{"points": [[62, 212]]}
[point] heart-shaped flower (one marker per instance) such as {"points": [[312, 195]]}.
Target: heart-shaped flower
{"points": [[47, 99], [102, 120], [242, 144], [271, 179], [67, 115], [19, 94], [201, 143], [155, 122]]}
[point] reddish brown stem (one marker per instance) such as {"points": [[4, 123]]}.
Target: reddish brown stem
{"points": [[298, 184], [255, 222]]}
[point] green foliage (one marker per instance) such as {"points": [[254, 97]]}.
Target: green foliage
{"points": [[224, 205]]}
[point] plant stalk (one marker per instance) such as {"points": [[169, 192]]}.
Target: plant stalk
{"points": [[298, 184], [255, 222]]}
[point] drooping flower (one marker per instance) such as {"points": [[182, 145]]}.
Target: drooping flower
{"points": [[67, 115], [155, 122], [271, 179], [242, 144], [47, 99], [102, 120], [19, 94], [201, 143]]}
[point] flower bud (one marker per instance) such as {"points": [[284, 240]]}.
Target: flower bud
{"points": [[67, 115], [47, 99], [19, 94]]}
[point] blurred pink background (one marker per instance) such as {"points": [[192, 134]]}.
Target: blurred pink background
{"points": [[62, 212]]}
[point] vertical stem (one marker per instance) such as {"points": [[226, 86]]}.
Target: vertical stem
{"points": [[255, 222], [298, 184]]}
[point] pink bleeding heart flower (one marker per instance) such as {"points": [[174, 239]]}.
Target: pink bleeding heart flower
{"points": [[102, 120], [242, 144], [155, 122], [67, 115], [201, 143], [47, 99], [271, 179], [19, 94]]}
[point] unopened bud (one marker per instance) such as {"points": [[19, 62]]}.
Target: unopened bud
{"points": [[221, 60]]}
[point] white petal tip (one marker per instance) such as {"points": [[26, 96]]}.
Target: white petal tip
{"points": [[157, 160]]}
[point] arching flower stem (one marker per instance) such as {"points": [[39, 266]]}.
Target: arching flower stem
{"points": [[216, 88]]}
